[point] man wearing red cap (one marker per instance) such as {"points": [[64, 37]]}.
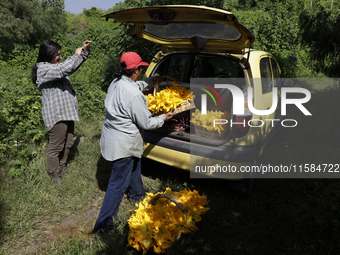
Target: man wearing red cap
{"points": [[121, 141]]}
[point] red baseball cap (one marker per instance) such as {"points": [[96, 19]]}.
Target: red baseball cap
{"points": [[132, 60]]}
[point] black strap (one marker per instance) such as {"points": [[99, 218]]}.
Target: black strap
{"points": [[171, 198]]}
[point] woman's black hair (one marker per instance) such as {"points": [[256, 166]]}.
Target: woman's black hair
{"points": [[121, 71], [47, 52]]}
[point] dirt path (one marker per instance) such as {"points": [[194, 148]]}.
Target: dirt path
{"points": [[78, 226]]}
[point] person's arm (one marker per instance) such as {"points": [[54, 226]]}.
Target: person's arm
{"points": [[145, 83], [149, 82], [49, 72], [85, 50], [142, 116]]}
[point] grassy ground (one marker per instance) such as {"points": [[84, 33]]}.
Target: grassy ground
{"points": [[283, 216]]}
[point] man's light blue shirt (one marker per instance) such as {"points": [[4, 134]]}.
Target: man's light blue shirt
{"points": [[127, 115]]}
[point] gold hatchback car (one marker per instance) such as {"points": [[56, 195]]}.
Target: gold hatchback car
{"points": [[208, 51]]}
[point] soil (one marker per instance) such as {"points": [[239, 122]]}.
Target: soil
{"points": [[78, 226]]}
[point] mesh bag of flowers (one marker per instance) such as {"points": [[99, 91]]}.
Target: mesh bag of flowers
{"points": [[157, 225]]}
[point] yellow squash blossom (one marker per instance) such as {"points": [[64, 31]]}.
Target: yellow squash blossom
{"points": [[156, 226], [207, 120], [168, 99]]}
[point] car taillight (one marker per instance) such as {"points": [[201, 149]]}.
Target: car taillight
{"points": [[241, 121], [242, 127]]}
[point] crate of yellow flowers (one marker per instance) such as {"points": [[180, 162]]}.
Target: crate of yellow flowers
{"points": [[164, 220], [205, 126], [174, 98]]}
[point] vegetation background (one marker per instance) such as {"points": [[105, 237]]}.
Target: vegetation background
{"points": [[304, 37]]}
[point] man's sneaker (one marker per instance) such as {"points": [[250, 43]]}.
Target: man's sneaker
{"points": [[136, 200], [57, 178], [102, 231]]}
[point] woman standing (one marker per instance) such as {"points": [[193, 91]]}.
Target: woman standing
{"points": [[59, 101]]}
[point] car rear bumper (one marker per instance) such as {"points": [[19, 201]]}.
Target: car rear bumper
{"points": [[186, 155], [226, 152]]}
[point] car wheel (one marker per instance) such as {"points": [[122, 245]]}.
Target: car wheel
{"points": [[243, 188]]}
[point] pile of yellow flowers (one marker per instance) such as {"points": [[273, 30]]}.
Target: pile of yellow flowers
{"points": [[168, 99], [207, 120], [158, 225]]}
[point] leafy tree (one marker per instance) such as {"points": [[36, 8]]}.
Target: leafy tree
{"points": [[56, 5], [321, 31], [29, 21], [93, 12]]}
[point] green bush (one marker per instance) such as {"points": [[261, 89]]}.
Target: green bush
{"points": [[21, 120]]}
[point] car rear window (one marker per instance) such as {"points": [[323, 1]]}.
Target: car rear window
{"points": [[175, 66], [276, 72], [184, 30], [182, 67], [216, 67], [266, 76]]}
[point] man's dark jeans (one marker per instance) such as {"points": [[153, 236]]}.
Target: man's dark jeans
{"points": [[125, 174]]}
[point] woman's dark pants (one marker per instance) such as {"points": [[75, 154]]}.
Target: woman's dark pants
{"points": [[60, 141]]}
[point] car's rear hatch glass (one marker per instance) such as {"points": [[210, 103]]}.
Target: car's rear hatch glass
{"points": [[223, 32], [187, 27]]}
